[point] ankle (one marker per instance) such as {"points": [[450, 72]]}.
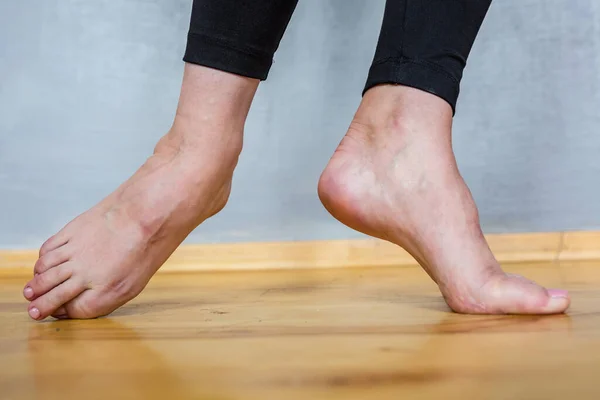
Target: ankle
{"points": [[392, 109], [211, 114], [200, 143]]}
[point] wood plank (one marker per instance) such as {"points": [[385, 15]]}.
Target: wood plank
{"points": [[580, 246], [508, 248], [360, 333]]}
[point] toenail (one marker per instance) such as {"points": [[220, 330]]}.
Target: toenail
{"points": [[34, 313], [28, 292], [558, 293]]}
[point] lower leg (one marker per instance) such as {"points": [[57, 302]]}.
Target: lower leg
{"points": [[107, 255], [394, 176]]}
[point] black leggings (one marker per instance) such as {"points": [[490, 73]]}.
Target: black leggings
{"points": [[422, 44]]}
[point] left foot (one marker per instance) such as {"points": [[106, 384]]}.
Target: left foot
{"points": [[394, 177]]}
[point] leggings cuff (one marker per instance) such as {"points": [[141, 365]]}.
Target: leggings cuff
{"points": [[417, 74], [218, 54]]}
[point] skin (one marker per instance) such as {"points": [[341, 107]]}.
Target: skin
{"points": [[393, 176]]}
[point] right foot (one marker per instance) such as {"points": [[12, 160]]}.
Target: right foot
{"points": [[107, 255], [394, 177]]}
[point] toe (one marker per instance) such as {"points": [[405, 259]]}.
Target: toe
{"points": [[514, 295], [61, 313], [47, 304], [43, 283], [51, 259], [53, 243], [93, 304], [559, 301]]}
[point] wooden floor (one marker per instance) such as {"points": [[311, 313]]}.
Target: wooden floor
{"points": [[321, 334]]}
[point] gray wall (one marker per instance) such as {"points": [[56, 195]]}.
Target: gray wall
{"points": [[87, 88]]}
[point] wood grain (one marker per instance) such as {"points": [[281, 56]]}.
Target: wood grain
{"points": [[360, 333]]}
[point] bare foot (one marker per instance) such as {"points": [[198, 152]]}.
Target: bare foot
{"points": [[394, 177], [106, 256]]}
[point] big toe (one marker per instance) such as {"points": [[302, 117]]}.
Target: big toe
{"points": [[92, 304], [509, 294]]}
